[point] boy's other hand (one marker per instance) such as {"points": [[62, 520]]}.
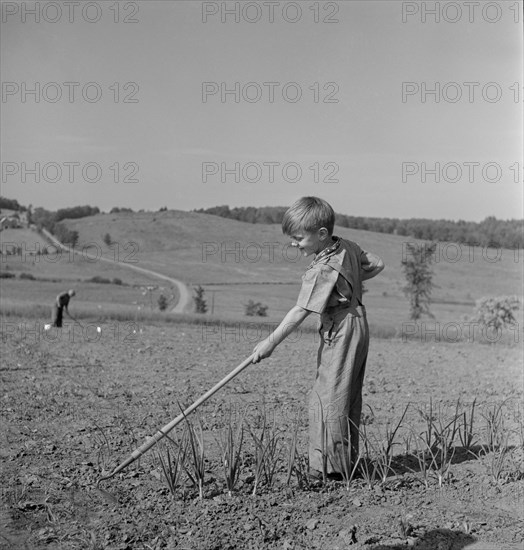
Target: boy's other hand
{"points": [[262, 350]]}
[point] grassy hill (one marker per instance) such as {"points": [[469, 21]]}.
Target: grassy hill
{"points": [[37, 279], [237, 261]]}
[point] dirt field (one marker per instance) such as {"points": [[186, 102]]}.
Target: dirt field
{"points": [[72, 408]]}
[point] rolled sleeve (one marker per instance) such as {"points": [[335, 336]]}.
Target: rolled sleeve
{"points": [[317, 285]]}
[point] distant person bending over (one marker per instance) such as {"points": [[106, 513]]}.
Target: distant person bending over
{"points": [[61, 302], [332, 288]]}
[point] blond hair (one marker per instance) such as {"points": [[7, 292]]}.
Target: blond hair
{"points": [[308, 214]]}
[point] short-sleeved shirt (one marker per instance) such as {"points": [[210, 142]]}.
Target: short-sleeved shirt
{"points": [[334, 279]]}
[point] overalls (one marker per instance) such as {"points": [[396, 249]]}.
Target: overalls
{"points": [[336, 398]]}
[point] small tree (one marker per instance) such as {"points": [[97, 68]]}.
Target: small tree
{"points": [[162, 302], [107, 239], [417, 269], [200, 303]]}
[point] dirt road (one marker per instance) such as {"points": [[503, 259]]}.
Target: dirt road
{"points": [[185, 296]]}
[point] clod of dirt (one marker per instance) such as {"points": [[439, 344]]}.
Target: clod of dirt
{"points": [[312, 524]]}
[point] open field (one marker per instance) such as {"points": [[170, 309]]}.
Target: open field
{"points": [[72, 408], [236, 262], [200, 249], [76, 402]]}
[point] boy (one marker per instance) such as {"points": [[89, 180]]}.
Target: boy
{"points": [[331, 287], [61, 302]]}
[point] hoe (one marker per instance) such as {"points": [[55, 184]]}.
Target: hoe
{"points": [[162, 432]]}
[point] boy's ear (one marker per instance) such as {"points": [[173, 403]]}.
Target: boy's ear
{"points": [[323, 233]]}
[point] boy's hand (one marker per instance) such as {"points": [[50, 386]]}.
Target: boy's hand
{"points": [[262, 350]]}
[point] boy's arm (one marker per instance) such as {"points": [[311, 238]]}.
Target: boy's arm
{"points": [[289, 323], [372, 265]]}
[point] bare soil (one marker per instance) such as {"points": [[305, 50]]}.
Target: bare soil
{"points": [[72, 409]]}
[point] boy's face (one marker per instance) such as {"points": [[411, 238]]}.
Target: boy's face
{"points": [[311, 242]]}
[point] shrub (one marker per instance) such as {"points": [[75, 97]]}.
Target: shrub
{"points": [[6, 275], [255, 309], [162, 302], [116, 281], [107, 239], [496, 312], [98, 279], [28, 276]]}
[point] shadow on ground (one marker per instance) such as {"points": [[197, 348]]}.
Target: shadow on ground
{"points": [[410, 463], [438, 539]]}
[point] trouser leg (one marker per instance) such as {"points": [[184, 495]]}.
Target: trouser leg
{"points": [[57, 316], [336, 398]]}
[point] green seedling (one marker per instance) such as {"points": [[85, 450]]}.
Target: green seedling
{"points": [[433, 461], [267, 452], [342, 459], [230, 444], [494, 427], [368, 467], [498, 459], [466, 433], [194, 466], [172, 464]]}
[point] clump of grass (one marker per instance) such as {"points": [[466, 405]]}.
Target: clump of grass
{"points": [[384, 454], [494, 426], [194, 465], [104, 450], [376, 461], [421, 455], [368, 468], [498, 460], [434, 446], [342, 460], [230, 444], [172, 464], [466, 433], [297, 463], [267, 451], [440, 432]]}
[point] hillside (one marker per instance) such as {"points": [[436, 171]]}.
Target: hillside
{"points": [[217, 252], [38, 278], [235, 262]]}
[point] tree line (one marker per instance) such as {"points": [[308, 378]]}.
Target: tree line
{"points": [[489, 232], [51, 221]]}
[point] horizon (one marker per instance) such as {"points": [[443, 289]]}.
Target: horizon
{"points": [[378, 107], [152, 211]]}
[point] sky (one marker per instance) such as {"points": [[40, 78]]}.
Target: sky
{"points": [[383, 108]]}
